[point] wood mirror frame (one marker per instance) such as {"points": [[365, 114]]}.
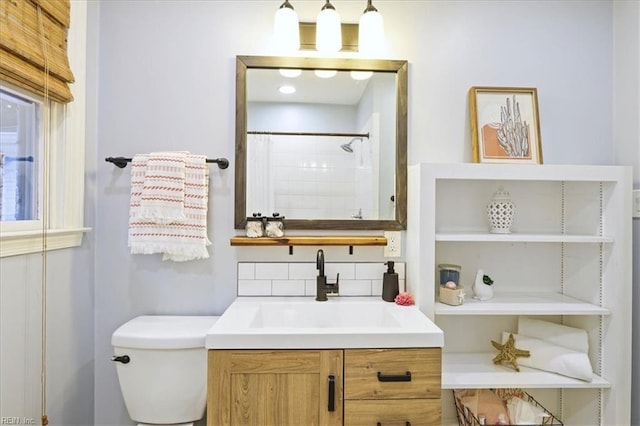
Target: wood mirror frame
{"points": [[399, 67]]}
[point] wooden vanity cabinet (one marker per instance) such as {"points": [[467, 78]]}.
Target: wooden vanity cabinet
{"points": [[392, 387], [293, 387]]}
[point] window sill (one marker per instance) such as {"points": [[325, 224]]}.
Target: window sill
{"points": [[17, 243]]}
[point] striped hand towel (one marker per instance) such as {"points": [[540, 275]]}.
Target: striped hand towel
{"points": [[179, 239], [163, 189]]}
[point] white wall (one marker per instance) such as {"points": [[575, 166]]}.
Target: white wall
{"points": [[167, 81], [627, 145], [166, 77]]}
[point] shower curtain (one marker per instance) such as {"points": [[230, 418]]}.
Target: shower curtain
{"points": [[259, 177]]}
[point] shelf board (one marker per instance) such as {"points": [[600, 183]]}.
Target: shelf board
{"points": [[312, 240], [477, 370], [522, 304], [485, 237]]}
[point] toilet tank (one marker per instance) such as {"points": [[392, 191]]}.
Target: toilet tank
{"points": [[165, 378]]}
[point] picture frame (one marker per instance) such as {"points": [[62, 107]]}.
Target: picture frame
{"points": [[505, 127]]}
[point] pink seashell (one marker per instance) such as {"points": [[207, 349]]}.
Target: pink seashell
{"points": [[405, 299]]}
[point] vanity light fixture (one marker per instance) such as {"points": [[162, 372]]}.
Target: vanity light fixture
{"points": [[328, 30], [287, 28], [328, 35], [370, 31]]}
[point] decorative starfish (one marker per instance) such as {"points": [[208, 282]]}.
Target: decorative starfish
{"points": [[509, 352]]}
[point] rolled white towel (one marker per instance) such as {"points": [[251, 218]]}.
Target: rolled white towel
{"points": [[549, 357], [558, 334]]}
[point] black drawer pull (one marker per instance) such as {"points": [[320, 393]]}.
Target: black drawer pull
{"points": [[406, 377], [332, 393], [405, 424]]}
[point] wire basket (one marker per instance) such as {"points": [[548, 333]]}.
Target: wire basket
{"points": [[466, 417]]}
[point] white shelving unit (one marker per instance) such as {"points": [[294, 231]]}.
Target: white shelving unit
{"points": [[567, 260]]}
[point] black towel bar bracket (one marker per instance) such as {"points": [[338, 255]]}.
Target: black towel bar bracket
{"points": [[121, 162]]}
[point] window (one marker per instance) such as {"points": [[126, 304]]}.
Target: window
{"points": [[48, 201], [20, 148]]}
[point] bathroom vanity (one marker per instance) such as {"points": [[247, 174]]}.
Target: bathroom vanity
{"points": [[294, 361]]}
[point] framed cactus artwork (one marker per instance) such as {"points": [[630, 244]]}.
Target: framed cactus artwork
{"points": [[504, 125]]}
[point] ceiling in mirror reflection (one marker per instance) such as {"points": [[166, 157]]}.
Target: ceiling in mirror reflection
{"points": [[342, 89]]}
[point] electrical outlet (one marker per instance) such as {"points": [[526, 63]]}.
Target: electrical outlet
{"points": [[393, 247]]}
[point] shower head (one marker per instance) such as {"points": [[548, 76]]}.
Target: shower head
{"points": [[347, 146]]}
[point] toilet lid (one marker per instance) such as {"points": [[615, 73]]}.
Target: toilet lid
{"points": [[163, 332]]}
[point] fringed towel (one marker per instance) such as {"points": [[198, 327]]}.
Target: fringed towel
{"points": [[169, 201], [163, 189]]}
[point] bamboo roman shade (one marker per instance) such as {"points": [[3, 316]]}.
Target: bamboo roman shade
{"points": [[33, 46]]}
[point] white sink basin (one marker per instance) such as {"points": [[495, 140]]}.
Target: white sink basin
{"points": [[303, 323], [303, 314]]}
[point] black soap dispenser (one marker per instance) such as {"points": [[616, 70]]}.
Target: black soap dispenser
{"points": [[390, 287]]}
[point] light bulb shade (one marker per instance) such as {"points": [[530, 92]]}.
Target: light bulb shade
{"points": [[370, 33], [286, 30], [328, 31]]}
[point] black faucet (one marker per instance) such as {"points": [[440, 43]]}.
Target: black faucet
{"points": [[322, 287]]}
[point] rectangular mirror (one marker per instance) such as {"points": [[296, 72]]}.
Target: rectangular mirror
{"points": [[331, 155]]}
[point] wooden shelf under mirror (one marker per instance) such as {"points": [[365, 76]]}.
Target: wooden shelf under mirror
{"points": [[312, 240]]}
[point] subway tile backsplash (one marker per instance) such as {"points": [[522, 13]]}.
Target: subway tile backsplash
{"points": [[299, 278]]}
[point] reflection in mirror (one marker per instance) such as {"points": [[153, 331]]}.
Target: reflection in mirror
{"points": [[328, 154]]}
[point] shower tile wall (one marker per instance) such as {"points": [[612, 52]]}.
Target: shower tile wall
{"points": [[299, 279], [320, 183]]}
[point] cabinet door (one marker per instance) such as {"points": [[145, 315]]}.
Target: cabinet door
{"points": [[257, 387]]}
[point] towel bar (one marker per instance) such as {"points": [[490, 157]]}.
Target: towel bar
{"points": [[121, 162]]}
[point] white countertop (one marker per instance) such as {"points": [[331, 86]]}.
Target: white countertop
{"points": [[303, 323]]}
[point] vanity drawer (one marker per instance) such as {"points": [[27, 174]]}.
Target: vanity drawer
{"points": [[392, 373], [392, 412]]}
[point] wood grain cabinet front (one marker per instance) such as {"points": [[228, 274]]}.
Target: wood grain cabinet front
{"points": [[324, 387], [392, 387], [392, 373], [284, 387], [392, 412]]}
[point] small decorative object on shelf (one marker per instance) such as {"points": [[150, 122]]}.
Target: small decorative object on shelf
{"points": [[449, 273], [452, 296], [509, 353], [482, 289], [275, 226], [451, 293], [500, 212], [255, 225]]}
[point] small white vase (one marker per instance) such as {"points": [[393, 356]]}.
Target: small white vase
{"points": [[481, 291], [500, 212]]}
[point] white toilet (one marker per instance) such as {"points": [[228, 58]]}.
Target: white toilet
{"points": [[162, 368]]}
